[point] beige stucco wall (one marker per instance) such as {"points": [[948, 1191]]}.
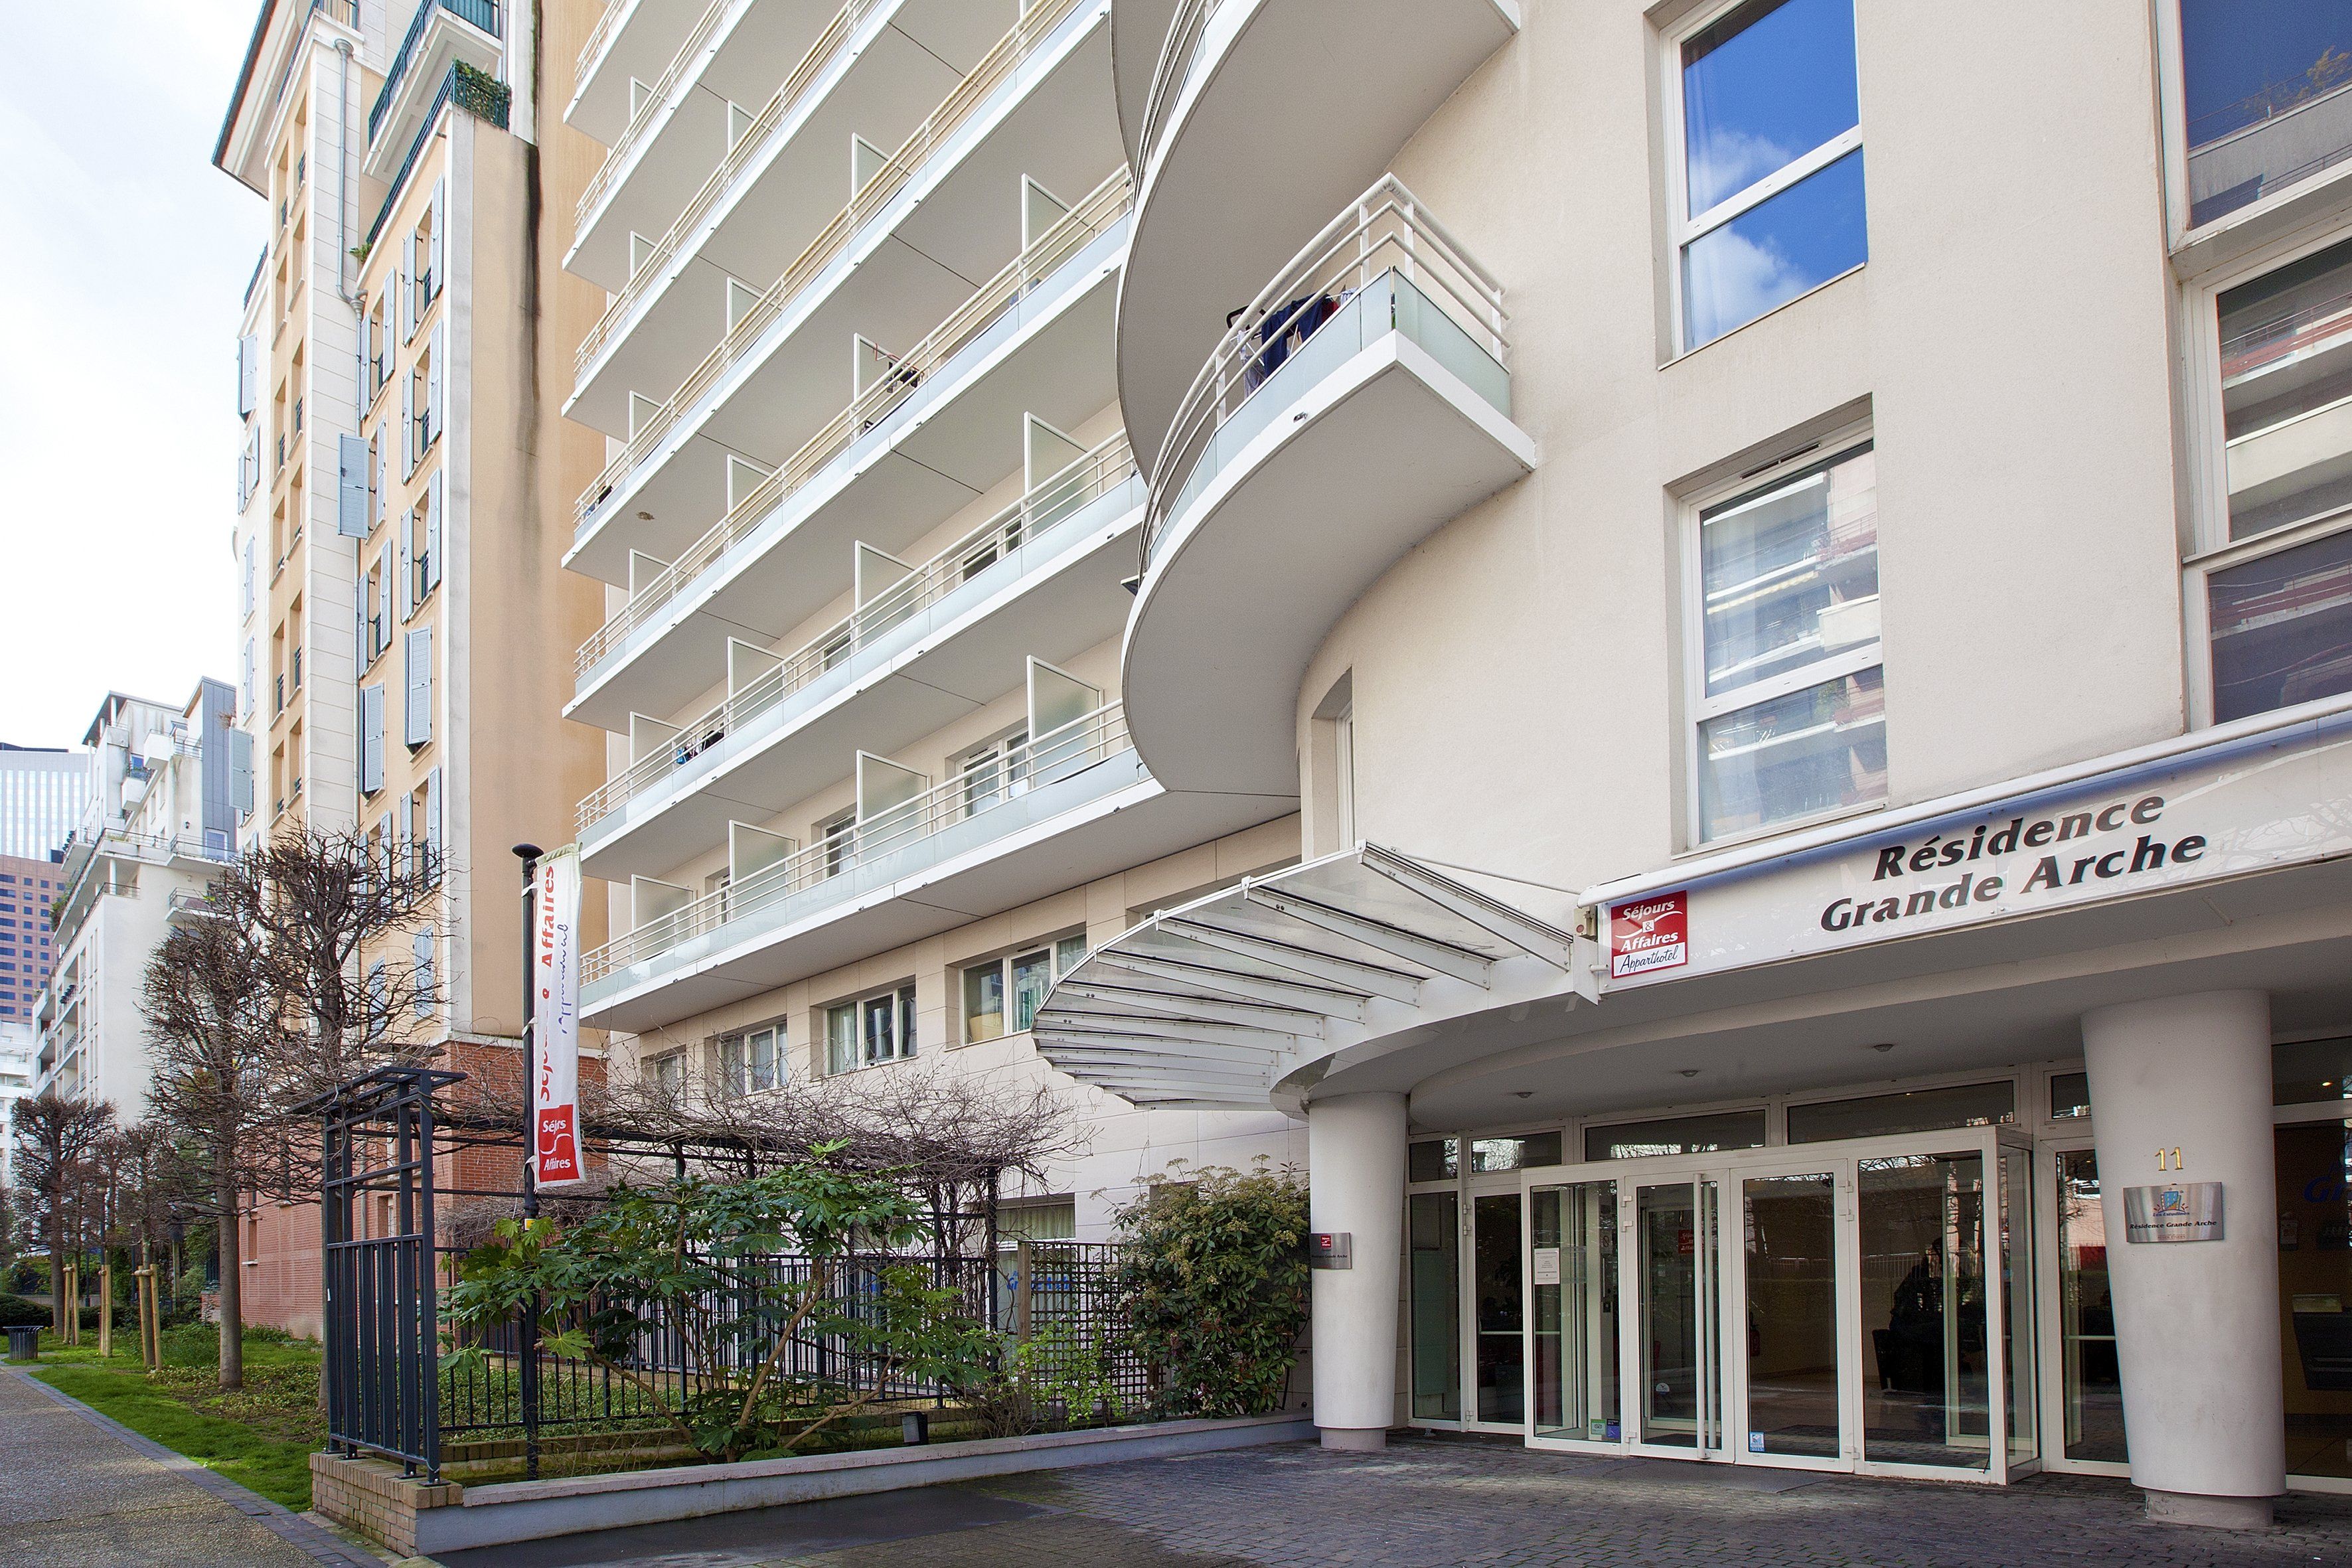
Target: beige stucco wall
{"points": [[2016, 372]]}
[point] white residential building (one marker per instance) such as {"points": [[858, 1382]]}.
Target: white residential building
{"points": [[868, 505], [159, 830]]}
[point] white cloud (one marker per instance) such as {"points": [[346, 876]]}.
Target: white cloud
{"points": [[1733, 280], [120, 281], [1726, 163]]}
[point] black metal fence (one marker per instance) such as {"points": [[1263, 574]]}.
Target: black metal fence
{"points": [[1061, 1299], [391, 1391], [516, 1386]]}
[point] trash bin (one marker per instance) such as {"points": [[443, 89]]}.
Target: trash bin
{"points": [[24, 1341]]}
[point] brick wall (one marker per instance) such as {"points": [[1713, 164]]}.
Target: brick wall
{"points": [[281, 1273], [372, 1497]]}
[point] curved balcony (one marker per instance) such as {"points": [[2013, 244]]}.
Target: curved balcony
{"points": [[944, 856], [914, 449], [1313, 101], [983, 110], [1040, 578], [1359, 404]]}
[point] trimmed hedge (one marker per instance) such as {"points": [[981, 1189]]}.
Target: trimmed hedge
{"points": [[16, 1310]]}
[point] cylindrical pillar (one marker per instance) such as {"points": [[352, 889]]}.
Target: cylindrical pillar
{"points": [[1355, 1175], [2197, 1323]]}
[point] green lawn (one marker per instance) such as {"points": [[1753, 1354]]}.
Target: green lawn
{"points": [[260, 1436]]}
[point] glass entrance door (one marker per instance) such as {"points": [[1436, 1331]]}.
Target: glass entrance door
{"points": [[1574, 1343], [1497, 1316], [1861, 1304], [1793, 1285], [1679, 1350]]}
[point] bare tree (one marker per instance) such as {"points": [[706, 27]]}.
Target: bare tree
{"points": [[56, 1140], [293, 981], [949, 1136]]}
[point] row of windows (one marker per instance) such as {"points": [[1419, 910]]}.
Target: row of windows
{"points": [[999, 996]]}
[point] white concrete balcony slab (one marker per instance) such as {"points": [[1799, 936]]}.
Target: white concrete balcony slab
{"points": [[1358, 405], [727, 67], [632, 38], [937, 860], [771, 218], [443, 33], [1040, 579], [893, 469], [1261, 117], [1138, 27], [772, 395]]}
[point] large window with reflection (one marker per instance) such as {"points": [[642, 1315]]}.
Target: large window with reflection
{"points": [[1768, 182], [2277, 573], [1789, 692], [2264, 98]]}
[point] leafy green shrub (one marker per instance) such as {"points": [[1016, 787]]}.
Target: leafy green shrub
{"points": [[691, 1259], [1213, 1280], [1054, 1363], [16, 1310]]}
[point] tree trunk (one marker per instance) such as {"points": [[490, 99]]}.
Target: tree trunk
{"points": [[58, 1278], [232, 1288]]}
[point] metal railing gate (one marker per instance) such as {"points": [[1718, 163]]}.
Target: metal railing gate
{"points": [[376, 1234]]}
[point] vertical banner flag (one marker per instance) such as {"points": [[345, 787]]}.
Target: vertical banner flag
{"points": [[555, 1019]]}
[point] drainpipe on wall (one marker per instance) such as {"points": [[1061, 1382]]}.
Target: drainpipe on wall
{"points": [[343, 226]]}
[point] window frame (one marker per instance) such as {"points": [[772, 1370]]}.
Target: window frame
{"points": [[742, 1076], [1685, 229], [2204, 541], [1698, 708], [904, 1039], [1051, 948]]}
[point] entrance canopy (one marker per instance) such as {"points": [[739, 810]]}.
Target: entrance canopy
{"points": [[1247, 996]]}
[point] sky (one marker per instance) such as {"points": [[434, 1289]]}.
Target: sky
{"points": [[121, 286]]}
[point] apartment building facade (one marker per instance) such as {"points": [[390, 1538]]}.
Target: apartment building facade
{"points": [[403, 614], [1808, 638], [862, 530], [159, 825]]}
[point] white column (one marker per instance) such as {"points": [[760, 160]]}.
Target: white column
{"points": [[2197, 1323], [1355, 1178]]}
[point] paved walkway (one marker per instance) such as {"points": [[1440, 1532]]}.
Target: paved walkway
{"points": [[77, 1491], [1437, 1504]]}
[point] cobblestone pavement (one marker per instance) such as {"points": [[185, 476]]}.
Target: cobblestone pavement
{"points": [[77, 1491], [1425, 1504]]}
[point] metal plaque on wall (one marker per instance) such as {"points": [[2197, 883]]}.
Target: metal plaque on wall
{"points": [[2180, 1211]]}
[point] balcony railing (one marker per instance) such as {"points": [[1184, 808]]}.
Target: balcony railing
{"points": [[650, 110], [1090, 219], [1101, 208], [1384, 231], [482, 14], [821, 54], [1049, 758], [1054, 500], [598, 37], [483, 97], [961, 104], [1177, 51]]}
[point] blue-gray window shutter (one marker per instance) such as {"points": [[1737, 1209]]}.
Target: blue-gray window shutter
{"points": [[371, 738], [352, 466], [433, 819], [423, 948], [240, 771], [432, 571], [417, 713]]}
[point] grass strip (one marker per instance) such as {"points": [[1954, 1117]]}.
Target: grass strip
{"points": [[260, 1436]]}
